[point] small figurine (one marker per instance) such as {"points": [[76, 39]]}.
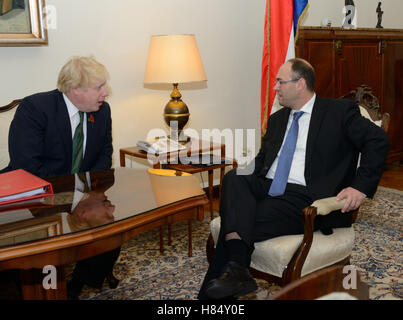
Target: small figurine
{"points": [[350, 13], [380, 13]]}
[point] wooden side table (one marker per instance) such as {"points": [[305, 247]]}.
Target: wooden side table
{"points": [[171, 160]]}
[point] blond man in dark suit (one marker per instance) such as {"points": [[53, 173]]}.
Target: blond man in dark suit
{"points": [[41, 141]]}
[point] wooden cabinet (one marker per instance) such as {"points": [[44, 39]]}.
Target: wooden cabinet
{"points": [[347, 58]]}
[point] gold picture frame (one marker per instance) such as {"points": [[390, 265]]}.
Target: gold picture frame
{"points": [[30, 13]]}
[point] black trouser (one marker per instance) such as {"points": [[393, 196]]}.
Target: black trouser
{"points": [[246, 208], [92, 271]]}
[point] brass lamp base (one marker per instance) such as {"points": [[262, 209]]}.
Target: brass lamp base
{"points": [[181, 138], [176, 115]]}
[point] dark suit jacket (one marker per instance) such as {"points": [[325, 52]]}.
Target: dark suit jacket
{"points": [[337, 134], [40, 138]]}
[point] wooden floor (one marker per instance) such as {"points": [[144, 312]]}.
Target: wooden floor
{"points": [[393, 177]]}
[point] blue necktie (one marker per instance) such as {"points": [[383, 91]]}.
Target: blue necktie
{"points": [[280, 179]]}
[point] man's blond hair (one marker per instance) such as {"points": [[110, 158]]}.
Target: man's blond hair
{"points": [[81, 72]]}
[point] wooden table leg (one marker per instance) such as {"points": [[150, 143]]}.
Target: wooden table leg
{"points": [[158, 166], [210, 192], [161, 239], [222, 172], [169, 234], [122, 159], [190, 252]]}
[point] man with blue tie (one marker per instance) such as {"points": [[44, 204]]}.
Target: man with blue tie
{"points": [[68, 131], [310, 151]]}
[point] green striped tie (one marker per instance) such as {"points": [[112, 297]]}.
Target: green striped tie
{"points": [[83, 177], [78, 141]]}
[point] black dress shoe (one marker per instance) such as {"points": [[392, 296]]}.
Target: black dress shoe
{"points": [[112, 281], [235, 281]]}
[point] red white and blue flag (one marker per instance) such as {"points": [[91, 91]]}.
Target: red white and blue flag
{"points": [[281, 31]]}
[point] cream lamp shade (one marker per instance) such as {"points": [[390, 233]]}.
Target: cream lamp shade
{"points": [[174, 59]]}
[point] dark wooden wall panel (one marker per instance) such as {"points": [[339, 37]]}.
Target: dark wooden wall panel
{"points": [[347, 58]]}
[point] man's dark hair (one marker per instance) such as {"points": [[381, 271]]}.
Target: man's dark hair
{"points": [[302, 69]]}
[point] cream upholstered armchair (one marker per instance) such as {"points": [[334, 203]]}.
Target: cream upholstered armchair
{"points": [[369, 106], [6, 116], [287, 258]]}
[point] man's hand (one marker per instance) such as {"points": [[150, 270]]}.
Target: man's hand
{"points": [[353, 198]]}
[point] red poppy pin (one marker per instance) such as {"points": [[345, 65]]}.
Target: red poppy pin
{"points": [[91, 118]]}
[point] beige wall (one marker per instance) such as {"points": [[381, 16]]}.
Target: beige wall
{"points": [[229, 34]]}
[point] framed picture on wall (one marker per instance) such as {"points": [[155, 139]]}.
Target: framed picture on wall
{"points": [[22, 23]]}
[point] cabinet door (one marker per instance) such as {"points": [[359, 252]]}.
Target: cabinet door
{"points": [[358, 63], [393, 98], [346, 59], [321, 55]]}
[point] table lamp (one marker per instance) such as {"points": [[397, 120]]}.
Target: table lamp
{"points": [[174, 59]]}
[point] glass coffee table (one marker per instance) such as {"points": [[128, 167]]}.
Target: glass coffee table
{"points": [[79, 222]]}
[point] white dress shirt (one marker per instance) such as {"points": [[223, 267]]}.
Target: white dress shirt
{"points": [[75, 120], [298, 162], [79, 188]]}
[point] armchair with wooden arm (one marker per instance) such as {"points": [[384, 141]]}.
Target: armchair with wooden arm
{"points": [[288, 258], [6, 116]]}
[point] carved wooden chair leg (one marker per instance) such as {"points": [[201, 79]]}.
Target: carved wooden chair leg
{"points": [[169, 234], [190, 252], [210, 193], [162, 239]]}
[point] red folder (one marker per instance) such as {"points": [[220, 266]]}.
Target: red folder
{"points": [[21, 185]]}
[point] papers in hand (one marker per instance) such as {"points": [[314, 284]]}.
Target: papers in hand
{"points": [[161, 145]]}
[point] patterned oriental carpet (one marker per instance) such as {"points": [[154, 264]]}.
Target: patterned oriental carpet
{"points": [[148, 275]]}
